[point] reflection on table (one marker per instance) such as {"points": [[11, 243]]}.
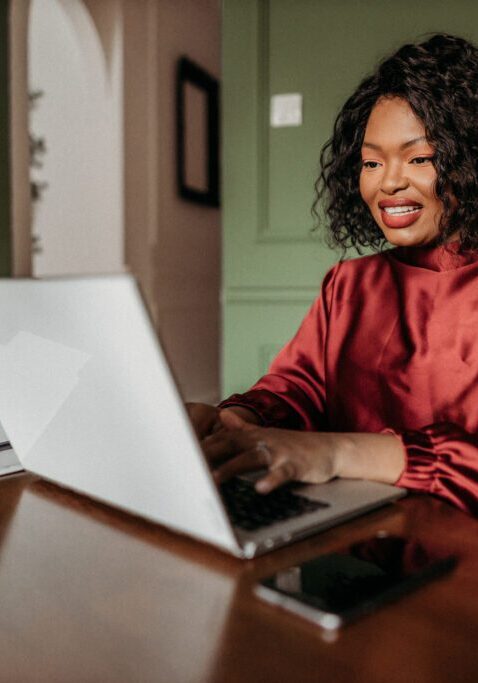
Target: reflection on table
{"points": [[93, 594]]}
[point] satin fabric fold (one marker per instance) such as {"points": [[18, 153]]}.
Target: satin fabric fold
{"points": [[390, 344]]}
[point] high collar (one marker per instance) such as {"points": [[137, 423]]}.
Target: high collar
{"points": [[442, 258]]}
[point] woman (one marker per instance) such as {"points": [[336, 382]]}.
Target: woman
{"points": [[381, 380]]}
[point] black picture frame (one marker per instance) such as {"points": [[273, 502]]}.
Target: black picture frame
{"points": [[189, 72]]}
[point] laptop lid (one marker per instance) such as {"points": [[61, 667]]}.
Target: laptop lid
{"points": [[88, 401]]}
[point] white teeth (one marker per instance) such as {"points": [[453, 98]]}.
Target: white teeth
{"points": [[397, 210]]}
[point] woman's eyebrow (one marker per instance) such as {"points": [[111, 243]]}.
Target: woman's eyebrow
{"points": [[409, 143]]}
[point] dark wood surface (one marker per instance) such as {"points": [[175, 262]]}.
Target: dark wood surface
{"points": [[91, 594]]}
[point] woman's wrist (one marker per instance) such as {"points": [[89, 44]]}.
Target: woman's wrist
{"points": [[379, 457]]}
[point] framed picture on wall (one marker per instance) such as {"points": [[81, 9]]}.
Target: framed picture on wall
{"points": [[197, 131]]}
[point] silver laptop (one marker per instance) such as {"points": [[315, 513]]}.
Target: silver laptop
{"points": [[88, 401], [9, 463]]}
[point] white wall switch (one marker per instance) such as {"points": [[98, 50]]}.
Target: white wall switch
{"points": [[286, 110]]}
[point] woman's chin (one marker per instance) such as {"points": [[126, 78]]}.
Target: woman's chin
{"points": [[409, 237]]}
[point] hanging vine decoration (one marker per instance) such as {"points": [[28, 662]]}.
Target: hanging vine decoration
{"points": [[38, 149]]}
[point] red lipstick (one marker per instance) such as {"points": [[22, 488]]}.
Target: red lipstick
{"points": [[399, 212]]}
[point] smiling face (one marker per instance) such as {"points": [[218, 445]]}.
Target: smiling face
{"points": [[397, 178]]}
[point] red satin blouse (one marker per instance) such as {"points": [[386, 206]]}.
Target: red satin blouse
{"points": [[390, 344]]}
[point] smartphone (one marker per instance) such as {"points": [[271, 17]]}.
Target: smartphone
{"points": [[336, 588]]}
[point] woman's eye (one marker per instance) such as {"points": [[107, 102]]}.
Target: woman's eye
{"points": [[421, 160], [370, 164]]}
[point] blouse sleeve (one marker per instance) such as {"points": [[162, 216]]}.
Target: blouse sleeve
{"points": [[442, 459], [292, 393]]}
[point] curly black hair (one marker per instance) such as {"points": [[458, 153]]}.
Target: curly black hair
{"points": [[439, 80]]}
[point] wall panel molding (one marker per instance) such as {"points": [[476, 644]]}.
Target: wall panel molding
{"points": [[270, 295], [266, 231]]}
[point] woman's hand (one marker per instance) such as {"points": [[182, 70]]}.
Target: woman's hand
{"points": [[205, 418], [312, 457], [289, 455]]}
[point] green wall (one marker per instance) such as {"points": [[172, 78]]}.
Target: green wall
{"points": [[5, 238], [273, 266]]}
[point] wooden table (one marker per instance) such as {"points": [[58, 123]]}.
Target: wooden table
{"points": [[91, 594]]}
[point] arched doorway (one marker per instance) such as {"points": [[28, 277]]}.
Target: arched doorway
{"points": [[75, 70]]}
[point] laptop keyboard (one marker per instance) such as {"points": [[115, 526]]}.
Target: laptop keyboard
{"points": [[250, 510]]}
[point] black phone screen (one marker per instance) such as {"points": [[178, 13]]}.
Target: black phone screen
{"points": [[358, 578]]}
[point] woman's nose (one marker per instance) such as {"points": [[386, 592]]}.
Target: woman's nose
{"points": [[394, 179]]}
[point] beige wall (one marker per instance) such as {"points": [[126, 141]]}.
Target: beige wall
{"points": [[171, 245]]}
